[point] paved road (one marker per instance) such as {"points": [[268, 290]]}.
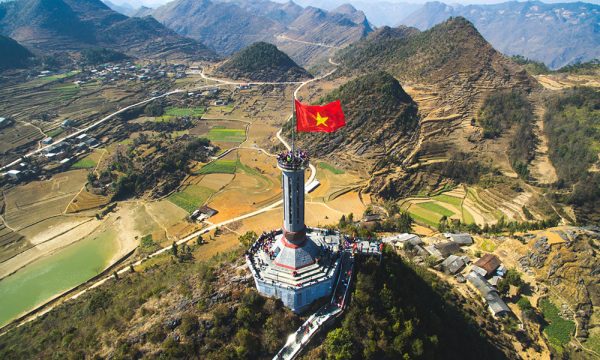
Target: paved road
{"points": [[193, 235], [285, 37]]}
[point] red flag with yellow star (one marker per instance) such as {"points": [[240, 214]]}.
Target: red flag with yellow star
{"points": [[319, 118]]}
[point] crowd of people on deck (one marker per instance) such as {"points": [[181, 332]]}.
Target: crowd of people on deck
{"points": [[293, 158], [263, 243]]}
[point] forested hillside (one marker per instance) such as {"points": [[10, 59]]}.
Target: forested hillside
{"points": [[14, 55], [510, 112], [402, 311], [262, 62], [572, 123]]}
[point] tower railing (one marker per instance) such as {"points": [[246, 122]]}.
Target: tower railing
{"points": [[293, 160]]}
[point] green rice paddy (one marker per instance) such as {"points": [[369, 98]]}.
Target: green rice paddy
{"points": [[219, 167], [222, 134], [559, 330], [85, 163], [180, 112], [449, 199], [330, 168], [191, 197], [66, 91], [438, 209]]}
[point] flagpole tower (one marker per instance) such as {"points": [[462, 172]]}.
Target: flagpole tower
{"points": [[297, 264], [293, 166]]}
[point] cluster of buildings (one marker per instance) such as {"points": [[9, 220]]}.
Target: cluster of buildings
{"points": [[53, 157], [447, 255], [131, 72]]}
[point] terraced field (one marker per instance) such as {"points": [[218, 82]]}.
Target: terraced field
{"points": [[87, 201], [11, 243], [181, 112], [325, 166], [430, 210], [39, 200]]}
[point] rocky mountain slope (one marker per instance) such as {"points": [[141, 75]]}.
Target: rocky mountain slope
{"points": [[72, 25], [379, 13], [228, 27], [380, 119], [556, 34], [448, 70], [14, 55], [565, 261], [262, 62]]}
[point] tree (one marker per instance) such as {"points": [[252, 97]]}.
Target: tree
{"points": [[199, 240], [342, 223], [154, 109], [248, 239], [100, 300], [338, 345], [91, 177], [174, 249]]}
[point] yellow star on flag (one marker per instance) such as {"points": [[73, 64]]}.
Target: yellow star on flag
{"points": [[321, 120]]}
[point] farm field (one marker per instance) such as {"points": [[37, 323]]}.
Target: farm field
{"points": [[330, 168], [178, 111], [191, 197], [85, 200], [11, 243], [221, 166], [85, 163], [40, 200], [429, 210], [221, 134], [90, 161], [558, 331], [256, 184]]}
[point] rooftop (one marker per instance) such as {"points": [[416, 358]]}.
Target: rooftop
{"points": [[489, 263], [292, 266], [447, 248], [462, 239]]}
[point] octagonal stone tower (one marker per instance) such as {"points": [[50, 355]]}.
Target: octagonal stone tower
{"points": [[296, 264]]}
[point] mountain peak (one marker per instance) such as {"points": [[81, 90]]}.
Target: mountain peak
{"points": [[345, 9], [262, 61]]}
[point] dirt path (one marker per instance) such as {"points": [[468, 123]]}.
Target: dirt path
{"points": [[541, 167]]}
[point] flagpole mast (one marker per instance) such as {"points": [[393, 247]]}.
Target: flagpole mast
{"points": [[293, 122]]}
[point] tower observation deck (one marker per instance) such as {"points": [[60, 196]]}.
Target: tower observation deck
{"points": [[296, 264]]}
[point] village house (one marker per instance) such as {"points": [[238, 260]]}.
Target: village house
{"points": [[400, 240], [452, 264], [461, 239], [489, 294], [486, 265]]}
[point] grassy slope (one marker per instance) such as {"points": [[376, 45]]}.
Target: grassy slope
{"points": [[143, 313]]}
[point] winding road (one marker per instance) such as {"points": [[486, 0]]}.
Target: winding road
{"points": [[35, 313]]}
